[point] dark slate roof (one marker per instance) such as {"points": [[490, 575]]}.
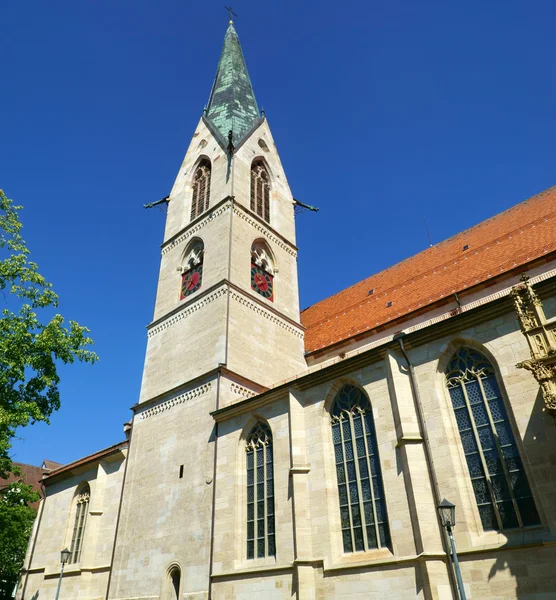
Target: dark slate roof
{"points": [[232, 104]]}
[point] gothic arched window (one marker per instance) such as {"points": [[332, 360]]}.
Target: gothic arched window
{"points": [[360, 489], [262, 270], [201, 189], [82, 507], [192, 270], [502, 492], [260, 190], [261, 540]]}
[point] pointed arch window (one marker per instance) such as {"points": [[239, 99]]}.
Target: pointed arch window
{"points": [[502, 491], [201, 189], [261, 539], [260, 190], [262, 270], [360, 488], [82, 508], [192, 270]]}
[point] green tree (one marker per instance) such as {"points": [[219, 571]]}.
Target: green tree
{"points": [[16, 523], [30, 350]]}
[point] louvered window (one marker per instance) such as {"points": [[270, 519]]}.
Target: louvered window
{"points": [[361, 492], [82, 501], [261, 540], [260, 190], [502, 491], [201, 190]]}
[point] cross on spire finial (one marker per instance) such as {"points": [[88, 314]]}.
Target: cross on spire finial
{"points": [[231, 12]]}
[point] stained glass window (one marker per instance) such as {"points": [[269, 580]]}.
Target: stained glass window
{"points": [[82, 502], [260, 190], [201, 189], [363, 514], [261, 537], [502, 491]]}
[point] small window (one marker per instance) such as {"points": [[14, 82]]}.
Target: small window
{"points": [[262, 271], [173, 584], [261, 540], [502, 491], [192, 273], [82, 508], [201, 189], [260, 190]]}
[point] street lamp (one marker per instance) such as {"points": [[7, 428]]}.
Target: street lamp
{"points": [[64, 557], [447, 512]]}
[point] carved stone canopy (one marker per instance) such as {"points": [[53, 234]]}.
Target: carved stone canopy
{"points": [[541, 337]]}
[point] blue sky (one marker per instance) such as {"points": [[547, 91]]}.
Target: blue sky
{"points": [[383, 113]]}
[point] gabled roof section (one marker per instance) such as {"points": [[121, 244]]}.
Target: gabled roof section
{"points": [[232, 105], [501, 244], [101, 454]]}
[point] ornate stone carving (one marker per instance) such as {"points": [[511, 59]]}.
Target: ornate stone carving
{"points": [[180, 399], [540, 335]]}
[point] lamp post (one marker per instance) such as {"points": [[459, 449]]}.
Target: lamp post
{"points": [[447, 512], [64, 557]]}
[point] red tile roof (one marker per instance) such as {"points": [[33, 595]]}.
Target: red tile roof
{"points": [[31, 475], [498, 245], [86, 459]]}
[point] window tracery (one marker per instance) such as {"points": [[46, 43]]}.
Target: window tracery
{"points": [[261, 540], [260, 190], [363, 515], [201, 189], [192, 272], [82, 507], [500, 484]]}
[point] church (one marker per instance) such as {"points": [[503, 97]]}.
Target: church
{"points": [[276, 454]]}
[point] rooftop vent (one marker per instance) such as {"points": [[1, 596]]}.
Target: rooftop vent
{"points": [[466, 247], [389, 305], [370, 292]]}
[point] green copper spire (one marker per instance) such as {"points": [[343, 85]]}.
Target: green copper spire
{"points": [[232, 105]]}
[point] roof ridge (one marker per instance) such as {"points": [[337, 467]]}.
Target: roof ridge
{"points": [[423, 274], [88, 456], [538, 196]]}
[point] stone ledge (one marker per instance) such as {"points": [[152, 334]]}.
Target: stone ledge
{"points": [[254, 571]]}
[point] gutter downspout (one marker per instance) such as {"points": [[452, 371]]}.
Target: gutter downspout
{"points": [[119, 509], [42, 504], [428, 454], [213, 507]]}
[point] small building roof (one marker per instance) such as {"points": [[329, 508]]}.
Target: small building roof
{"points": [[497, 246], [67, 469], [50, 465]]}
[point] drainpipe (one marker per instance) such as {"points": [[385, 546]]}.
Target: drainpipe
{"points": [[37, 530], [213, 508], [129, 435], [428, 454]]}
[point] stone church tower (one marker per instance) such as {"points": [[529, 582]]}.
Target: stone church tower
{"points": [[281, 455], [226, 326]]}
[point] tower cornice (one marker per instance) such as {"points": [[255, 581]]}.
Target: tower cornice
{"points": [[228, 203], [222, 288]]}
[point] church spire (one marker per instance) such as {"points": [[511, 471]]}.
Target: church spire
{"points": [[232, 105]]}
